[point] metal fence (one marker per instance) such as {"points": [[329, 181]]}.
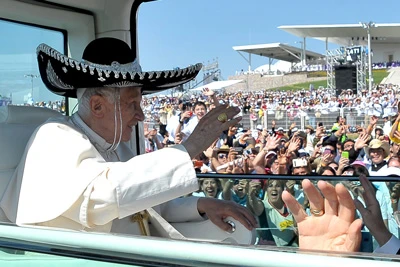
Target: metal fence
{"points": [[284, 118]]}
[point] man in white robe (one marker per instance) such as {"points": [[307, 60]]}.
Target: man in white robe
{"points": [[77, 173]]}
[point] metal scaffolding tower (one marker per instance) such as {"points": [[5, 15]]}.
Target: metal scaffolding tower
{"points": [[346, 55], [362, 64], [333, 58]]}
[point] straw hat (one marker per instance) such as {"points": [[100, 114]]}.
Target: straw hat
{"points": [[224, 148], [376, 143]]}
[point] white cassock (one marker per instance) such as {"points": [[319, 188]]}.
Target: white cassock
{"points": [[67, 179]]}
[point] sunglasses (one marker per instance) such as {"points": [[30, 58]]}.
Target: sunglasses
{"points": [[222, 156]]}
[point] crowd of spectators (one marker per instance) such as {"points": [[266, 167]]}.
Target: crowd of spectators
{"points": [[321, 148], [58, 105], [286, 107]]}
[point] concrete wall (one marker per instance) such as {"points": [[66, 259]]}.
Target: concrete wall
{"points": [[381, 52], [256, 82]]}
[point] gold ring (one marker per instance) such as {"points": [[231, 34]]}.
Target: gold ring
{"points": [[222, 117], [317, 213]]}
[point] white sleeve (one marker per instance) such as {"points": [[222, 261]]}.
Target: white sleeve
{"points": [[143, 182], [181, 210], [391, 247], [62, 166]]}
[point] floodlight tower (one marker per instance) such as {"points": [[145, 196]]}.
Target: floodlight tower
{"points": [[32, 76], [368, 27], [302, 54]]}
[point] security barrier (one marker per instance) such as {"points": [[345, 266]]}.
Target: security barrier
{"points": [[284, 118]]}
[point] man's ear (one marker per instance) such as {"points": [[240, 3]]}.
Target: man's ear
{"points": [[97, 107]]}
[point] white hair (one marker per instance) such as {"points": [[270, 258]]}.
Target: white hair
{"points": [[84, 95], [113, 96]]}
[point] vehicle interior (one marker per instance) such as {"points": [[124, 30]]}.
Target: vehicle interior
{"points": [[68, 26]]}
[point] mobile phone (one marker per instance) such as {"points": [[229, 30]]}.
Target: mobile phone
{"points": [[345, 154], [239, 149], [299, 163], [320, 124], [247, 152], [326, 151]]}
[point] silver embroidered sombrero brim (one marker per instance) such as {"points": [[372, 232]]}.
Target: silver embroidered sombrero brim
{"points": [[63, 75]]}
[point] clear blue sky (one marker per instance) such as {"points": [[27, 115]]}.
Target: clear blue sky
{"points": [[181, 32], [177, 33]]}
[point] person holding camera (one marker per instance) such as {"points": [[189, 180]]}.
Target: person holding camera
{"points": [[187, 122]]}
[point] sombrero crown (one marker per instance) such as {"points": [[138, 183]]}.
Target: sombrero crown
{"points": [[106, 62]]}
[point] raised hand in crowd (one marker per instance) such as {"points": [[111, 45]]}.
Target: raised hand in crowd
{"points": [[342, 130], [237, 166], [325, 159], [394, 190], [246, 136], [264, 133], [254, 188], [316, 153], [319, 131], [343, 162], [247, 164], [254, 202], [371, 213], [283, 162], [178, 138], [198, 141], [397, 134], [209, 152], [331, 225], [272, 143], [373, 120], [259, 161], [232, 155], [361, 141], [294, 145], [186, 115], [394, 131], [210, 93], [290, 186], [229, 169], [361, 130]]}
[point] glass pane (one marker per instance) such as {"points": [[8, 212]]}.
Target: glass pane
{"points": [[13, 257], [20, 83], [325, 122]]}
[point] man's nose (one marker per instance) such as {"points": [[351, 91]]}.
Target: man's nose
{"points": [[139, 115]]}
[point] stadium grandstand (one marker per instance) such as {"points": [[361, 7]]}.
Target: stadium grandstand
{"points": [[382, 39]]}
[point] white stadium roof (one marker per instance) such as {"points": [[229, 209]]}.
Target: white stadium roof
{"points": [[277, 51], [348, 34], [216, 85]]}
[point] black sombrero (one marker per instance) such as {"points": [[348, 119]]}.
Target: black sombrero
{"points": [[106, 62]]}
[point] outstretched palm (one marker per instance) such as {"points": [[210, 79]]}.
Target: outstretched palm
{"points": [[335, 229]]}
